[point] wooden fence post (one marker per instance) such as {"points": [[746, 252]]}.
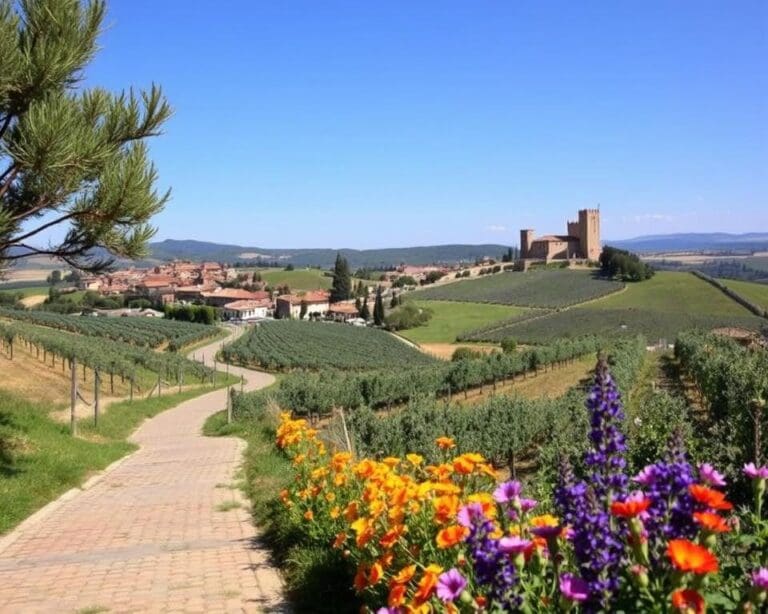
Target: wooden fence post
{"points": [[159, 384], [73, 398], [130, 398], [229, 405], [96, 382]]}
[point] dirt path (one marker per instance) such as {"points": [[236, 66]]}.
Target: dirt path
{"points": [[161, 530]]}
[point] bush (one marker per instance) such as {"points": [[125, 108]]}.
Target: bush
{"points": [[407, 316]]}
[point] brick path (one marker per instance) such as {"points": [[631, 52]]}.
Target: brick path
{"points": [[147, 535]]}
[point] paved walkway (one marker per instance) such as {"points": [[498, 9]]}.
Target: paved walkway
{"points": [[149, 533]]}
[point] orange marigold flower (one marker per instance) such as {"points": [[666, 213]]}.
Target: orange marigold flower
{"points": [[365, 468], [631, 508], [687, 556], [396, 596], [688, 601], [363, 531], [376, 573], [450, 536], [361, 579], [340, 539], [309, 515], [427, 584], [391, 461], [350, 512], [713, 499], [335, 512], [390, 537], [446, 508], [445, 443], [404, 575], [709, 521]]}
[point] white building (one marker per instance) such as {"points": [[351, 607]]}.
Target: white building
{"points": [[247, 310]]}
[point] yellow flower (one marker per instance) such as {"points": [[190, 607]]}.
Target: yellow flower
{"points": [[414, 459]]}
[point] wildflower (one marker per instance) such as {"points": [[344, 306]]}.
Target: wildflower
{"points": [[526, 505], [514, 545], [469, 513], [545, 526], [709, 475], [647, 476], [507, 491], [708, 497], [711, 522], [450, 536], [760, 578], [630, 508], [340, 539], [687, 556], [309, 515], [404, 575], [427, 584], [396, 596], [688, 601], [445, 508], [445, 443], [375, 574], [756, 473], [414, 459], [361, 579], [573, 588], [450, 585]]}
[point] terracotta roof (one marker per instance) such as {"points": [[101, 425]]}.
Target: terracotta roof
{"points": [[343, 308], [156, 283], [246, 305], [236, 294]]}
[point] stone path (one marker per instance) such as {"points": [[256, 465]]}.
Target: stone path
{"points": [[150, 533]]}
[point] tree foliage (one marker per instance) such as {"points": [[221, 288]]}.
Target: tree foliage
{"points": [[71, 157], [625, 265], [341, 290]]}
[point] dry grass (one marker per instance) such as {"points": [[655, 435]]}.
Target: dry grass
{"points": [[445, 351], [34, 300]]}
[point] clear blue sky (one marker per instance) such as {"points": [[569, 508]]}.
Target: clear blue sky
{"points": [[362, 124]]}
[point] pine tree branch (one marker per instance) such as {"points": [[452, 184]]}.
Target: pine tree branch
{"points": [[32, 233], [4, 187], [6, 123]]}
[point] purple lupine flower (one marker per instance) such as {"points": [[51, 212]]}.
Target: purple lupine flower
{"points": [[760, 578], [709, 475], [647, 476], [573, 588], [507, 491], [514, 544], [756, 473], [450, 585]]}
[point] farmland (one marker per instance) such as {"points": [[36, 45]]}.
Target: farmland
{"points": [[299, 279], [753, 292], [143, 332], [657, 308], [288, 344], [449, 319], [543, 288]]}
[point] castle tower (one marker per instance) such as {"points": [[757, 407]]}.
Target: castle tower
{"points": [[573, 229], [589, 233], [526, 238]]}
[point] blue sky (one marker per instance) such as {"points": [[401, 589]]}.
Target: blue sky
{"points": [[373, 124]]}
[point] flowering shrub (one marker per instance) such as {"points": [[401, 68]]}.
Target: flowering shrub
{"points": [[449, 537]]}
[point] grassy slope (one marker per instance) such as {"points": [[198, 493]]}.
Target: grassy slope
{"points": [[31, 291], [756, 293], [299, 279], [451, 318]]}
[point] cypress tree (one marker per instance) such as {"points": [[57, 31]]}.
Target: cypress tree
{"points": [[341, 290], [365, 312], [378, 308], [393, 302]]}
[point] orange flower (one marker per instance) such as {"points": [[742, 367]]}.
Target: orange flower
{"points": [[711, 522], [350, 512], [445, 443], [687, 556], [631, 508], [713, 499], [390, 537], [427, 583], [396, 596], [361, 579], [340, 539], [404, 575], [363, 531], [450, 536], [376, 573], [688, 601], [446, 508], [335, 512], [309, 515]]}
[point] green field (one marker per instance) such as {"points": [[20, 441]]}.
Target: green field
{"points": [[27, 291], [657, 308], [753, 292], [757, 262], [291, 344], [299, 279], [540, 288], [450, 319]]}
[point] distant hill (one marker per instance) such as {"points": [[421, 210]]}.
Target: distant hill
{"points": [[201, 250], [713, 241]]}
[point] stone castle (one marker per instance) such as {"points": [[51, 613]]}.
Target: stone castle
{"points": [[582, 241]]}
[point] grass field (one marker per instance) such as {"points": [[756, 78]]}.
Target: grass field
{"points": [[753, 292], [657, 308], [757, 262], [543, 288], [449, 319], [299, 279], [26, 291]]}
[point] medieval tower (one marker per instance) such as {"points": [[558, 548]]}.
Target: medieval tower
{"points": [[582, 240], [589, 233]]}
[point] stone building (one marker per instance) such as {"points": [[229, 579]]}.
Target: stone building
{"points": [[581, 242]]}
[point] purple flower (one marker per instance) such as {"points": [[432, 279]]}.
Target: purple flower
{"points": [[513, 545], [647, 476], [573, 588], [756, 473], [470, 514], [450, 585], [526, 505], [547, 531], [388, 611], [760, 578], [710, 475], [507, 491]]}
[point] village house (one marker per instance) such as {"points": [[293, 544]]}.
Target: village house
{"points": [[221, 296], [247, 310], [289, 305], [343, 312]]}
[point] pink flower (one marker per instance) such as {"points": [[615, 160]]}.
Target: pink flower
{"points": [[709, 475], [760, 578], [756, 473], [450, 585], [527, 505], [514, 545], [573, 588], [647, 476], [469, 514], [507, 491]]}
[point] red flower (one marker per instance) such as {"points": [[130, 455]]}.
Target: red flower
{"points": [[630, 508], [688, 601], [712, 499], [687, 556], [711, 522]]}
